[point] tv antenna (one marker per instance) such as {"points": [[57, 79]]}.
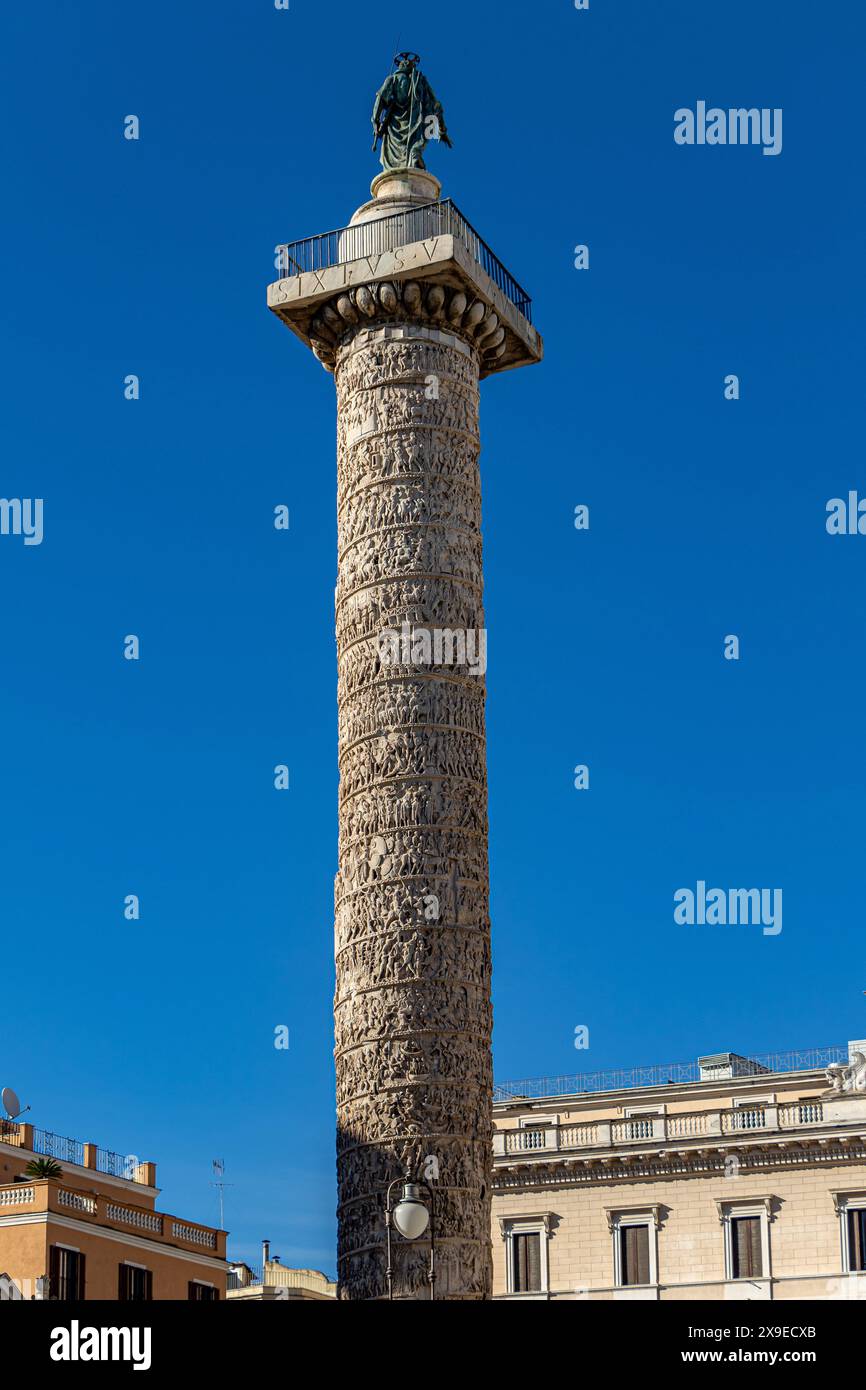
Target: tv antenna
{"points": [[219, 1170], [11, 1104]]}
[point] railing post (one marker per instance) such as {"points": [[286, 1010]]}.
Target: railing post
{"points": [[90, 1156]]}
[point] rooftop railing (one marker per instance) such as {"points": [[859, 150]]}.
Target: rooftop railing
{"points": [[400, 229], [64, 1150], [667, 1074]]}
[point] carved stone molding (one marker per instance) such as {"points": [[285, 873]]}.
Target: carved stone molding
{"points": [[653, 1209], [602, 1171], [445, 315], [412, 932], [725, 1205]]}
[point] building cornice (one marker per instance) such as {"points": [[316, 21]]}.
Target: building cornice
{"points": [[609, 1169], [53, 1218]]}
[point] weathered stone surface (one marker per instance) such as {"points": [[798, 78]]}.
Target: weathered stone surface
{"points": [[409, 328], [412, 1004]]}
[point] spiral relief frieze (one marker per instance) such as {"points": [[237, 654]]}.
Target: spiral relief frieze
{"points": [[412, 934]]}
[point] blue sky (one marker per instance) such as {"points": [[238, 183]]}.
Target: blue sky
{"points": [[707, 518]]}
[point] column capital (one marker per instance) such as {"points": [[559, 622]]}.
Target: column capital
{"points": [[376, 270]]}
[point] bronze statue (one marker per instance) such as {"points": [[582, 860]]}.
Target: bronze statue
{"points": [[406, 115]]}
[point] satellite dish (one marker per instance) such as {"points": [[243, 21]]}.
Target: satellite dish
{"points": [[11, 1103]]}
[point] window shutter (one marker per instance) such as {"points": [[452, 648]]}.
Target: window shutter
{"points": [[527, 1263], [80, 1282], [122, 1284], [148, 1285], [746, 1246], [643, 1271], [626, 1253], [740, 1248], [757, 1262], [54, 1272], [857, 1239], [634, 1249], [534, 1263]]}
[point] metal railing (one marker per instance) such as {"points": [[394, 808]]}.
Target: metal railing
{"points": [[118, 1165], [663, 1074], [400, 229], [56, 1146], [65, 1150]]}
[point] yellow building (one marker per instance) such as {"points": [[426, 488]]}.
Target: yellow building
{"points": [[95, 1233], [730, 1179]]}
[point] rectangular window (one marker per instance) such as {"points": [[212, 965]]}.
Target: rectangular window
{"points": [[66, 1273], [857, 1239], [202, 1293], [527, 1263], [634, 1254], [136, 1285], [746, 1262]]}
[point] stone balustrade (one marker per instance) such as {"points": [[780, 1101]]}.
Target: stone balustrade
{"points": [[47, 1195], [637, 1129]]}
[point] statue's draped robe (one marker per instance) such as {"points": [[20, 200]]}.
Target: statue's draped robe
{"points": [[409, 102]]}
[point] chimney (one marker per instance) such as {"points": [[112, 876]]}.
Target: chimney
{"points": [[266, 1253]]}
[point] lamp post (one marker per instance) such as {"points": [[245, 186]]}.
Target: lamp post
{"points": [[412, 1216]]}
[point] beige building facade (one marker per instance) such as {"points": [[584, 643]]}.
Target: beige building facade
{"points": [[95, 1232], [746, 1182]]}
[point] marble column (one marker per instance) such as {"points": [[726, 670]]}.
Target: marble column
{"points": [[412, 1004]]}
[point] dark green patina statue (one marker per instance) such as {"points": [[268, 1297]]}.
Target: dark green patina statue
{"points": [[406, 115]]}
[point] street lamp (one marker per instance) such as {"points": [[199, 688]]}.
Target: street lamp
{"points": [[411, 1215]]}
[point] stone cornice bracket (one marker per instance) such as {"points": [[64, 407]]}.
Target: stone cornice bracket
{"points": [[544, 1217], [407, 302], [843, 1196], [653, 1209], [725, 1204]]}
